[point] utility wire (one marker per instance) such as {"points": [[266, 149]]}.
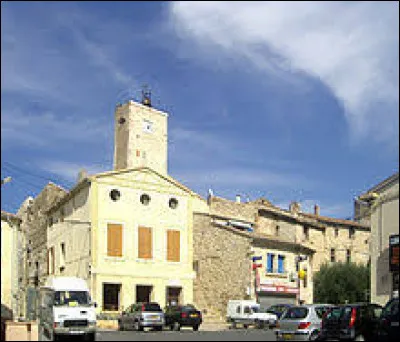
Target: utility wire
{"points": [[9, 165]]}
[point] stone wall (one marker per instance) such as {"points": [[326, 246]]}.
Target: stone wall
{"points": [[221, 262], [35, 226]]}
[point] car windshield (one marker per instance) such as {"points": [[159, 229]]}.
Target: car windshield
{"points": [[152, 307], [71, 298], [295, 313]]}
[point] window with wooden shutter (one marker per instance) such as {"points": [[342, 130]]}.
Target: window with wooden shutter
{"points": [[173, 245], [145, 246], [114, 240]]}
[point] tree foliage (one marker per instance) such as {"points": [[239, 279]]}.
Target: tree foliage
{"points": [[339, 283]]}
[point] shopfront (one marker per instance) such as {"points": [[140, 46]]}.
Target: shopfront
{"points": [[271, 294]]}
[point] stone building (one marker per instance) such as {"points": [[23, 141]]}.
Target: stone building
{"points": [[34, 224], [380, 206], [233, 230]]}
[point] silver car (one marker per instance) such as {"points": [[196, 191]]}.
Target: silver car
{"points": [[301, 323], [140, 316]]}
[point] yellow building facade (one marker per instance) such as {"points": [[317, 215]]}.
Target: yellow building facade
{"points": [[9, 263], [129, 233]]}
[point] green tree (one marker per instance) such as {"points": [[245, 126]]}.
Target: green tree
{"points": [[341, 282]]}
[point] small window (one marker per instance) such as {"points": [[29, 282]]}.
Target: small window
{"points": [[115, 195], [121, 120], [333, 259], [62, 214], [145, 199], [351, 233], [51, 221], [336, 232], [277, 230], [348, 255], [306, 234], [270, 263], [173, 203]]}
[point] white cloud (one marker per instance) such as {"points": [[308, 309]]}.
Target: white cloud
{"points": [[352, 47]]}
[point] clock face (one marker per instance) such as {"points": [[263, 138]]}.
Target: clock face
{"points": [[148, 126]]}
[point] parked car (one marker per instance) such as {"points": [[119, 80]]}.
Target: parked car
{"points": [[354, 322], [142, 315], [278, 309], [301, 323], [177, 316], [247, 312], [389, 321]]}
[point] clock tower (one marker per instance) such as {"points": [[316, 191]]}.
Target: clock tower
{"points": [[141, 136]]}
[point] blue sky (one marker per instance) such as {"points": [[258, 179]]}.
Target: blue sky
{"points": [[289, 101]]}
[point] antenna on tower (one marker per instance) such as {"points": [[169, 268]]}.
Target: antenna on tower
{"points": [[146, 96]]}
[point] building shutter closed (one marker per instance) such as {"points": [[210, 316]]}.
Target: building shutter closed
{"points": [[145, 243], [114, 240], [173, 245]]}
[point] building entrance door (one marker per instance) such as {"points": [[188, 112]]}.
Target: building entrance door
{"points": [[174, 295], [143, 293]]}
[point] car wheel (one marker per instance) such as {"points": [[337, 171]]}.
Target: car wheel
{"points": [[195, 327], [120, 328], [140, 328], [245, 326], [159, 328], [233, 325], [314, 336], [177, 326], [171, 327]]}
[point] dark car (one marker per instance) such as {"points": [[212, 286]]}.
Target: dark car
{"points": [[359, 322], [142, 315], [389, 320], [278, 309], [177, 316]]}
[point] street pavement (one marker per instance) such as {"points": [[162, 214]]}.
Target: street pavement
{"points": [[188, 335]]}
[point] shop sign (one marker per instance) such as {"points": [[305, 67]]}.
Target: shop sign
{"points": [[394, 253]]}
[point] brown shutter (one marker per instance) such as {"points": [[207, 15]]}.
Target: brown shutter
{"points": [[114, 240], [173, 245], [145, 243]]}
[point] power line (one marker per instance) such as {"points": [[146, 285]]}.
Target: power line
{"points": [[24, 171]]}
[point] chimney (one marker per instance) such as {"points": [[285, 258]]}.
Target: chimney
{"points": [[294, 207], [82, 174], [237, 198], [316, 209]]}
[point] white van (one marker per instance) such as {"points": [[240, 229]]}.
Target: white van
{"points": [[65, 308], [248, 312]]}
